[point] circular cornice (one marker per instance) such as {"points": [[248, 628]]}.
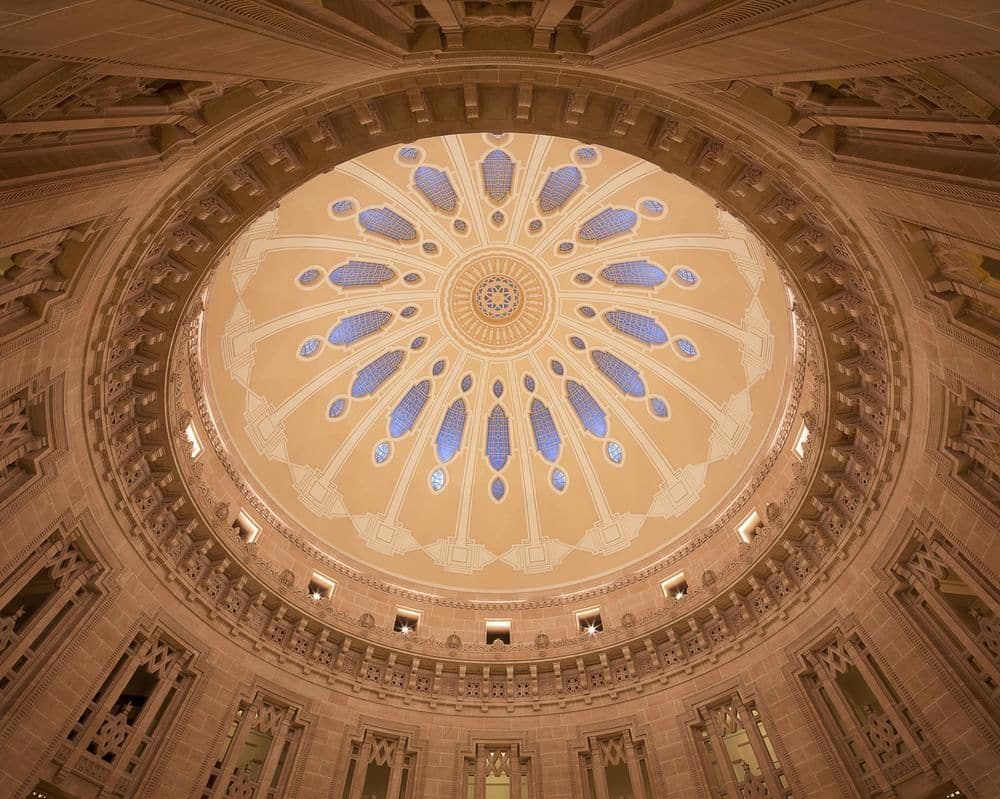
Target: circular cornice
{"points": [[847, 461]]}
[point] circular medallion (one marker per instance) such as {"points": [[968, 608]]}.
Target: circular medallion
{"points": [[497, 298], [498, 301]]}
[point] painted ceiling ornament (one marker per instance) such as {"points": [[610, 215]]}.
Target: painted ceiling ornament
{"points": [[497, 395]]}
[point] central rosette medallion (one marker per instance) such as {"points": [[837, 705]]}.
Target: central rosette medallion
{"points": [[498, 300]]}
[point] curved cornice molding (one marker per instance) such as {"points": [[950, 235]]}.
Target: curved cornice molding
{"points": [[849, 460]]}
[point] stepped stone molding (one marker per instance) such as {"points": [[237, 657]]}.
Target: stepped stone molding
{"points": [[831, 646], [912, 532], [82, 531], [850, 458], [42, 430]]}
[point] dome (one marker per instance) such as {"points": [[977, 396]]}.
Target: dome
{"points": [[412, 368], [499, 399]]}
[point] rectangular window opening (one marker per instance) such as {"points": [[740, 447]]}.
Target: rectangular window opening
{"points": [[800, 442], [192, 436], [246, 528], [407, 621], [497, 630], [747, 529], [675, 587], [321, 587], [589, 621]]}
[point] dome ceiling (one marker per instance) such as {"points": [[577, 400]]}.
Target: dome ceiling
{"points": [[497, 362]]}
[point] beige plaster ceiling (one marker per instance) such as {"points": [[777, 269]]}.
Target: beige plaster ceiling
{"points": [[503, 317]]}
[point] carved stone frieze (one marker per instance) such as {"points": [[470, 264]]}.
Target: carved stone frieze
{"points": [[146, 332]]}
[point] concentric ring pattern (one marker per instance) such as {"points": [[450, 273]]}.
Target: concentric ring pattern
{"points": [[520, 361]]}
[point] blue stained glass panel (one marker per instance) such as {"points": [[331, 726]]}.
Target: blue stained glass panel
{"points": [[547, 440], [529, 382], [361, 273], [497, 438], [438, 367], [559, 187], [638, 326], [498, 174], [558, 479], [565, 247], [591, 414], [557, 367], [634, 273], [409, 153], [615, 452], [686, 276], [309, 276], [449, 437], [609, 222], [337, 408], [374, 374], [620, 373], [586, 153], [411, 278], [429, 247], [342, 206], [404, 415], [577, 342], [587, 311], [497, 489], [659, 407], [437, 479], [387, 223], [466, 382], [436, 187], [652, 206], [685, 346], [382, 451], [408, 311], [352, 328], [582, 277], [460, 225], [309, 347], [497, 389], [418, 342]]}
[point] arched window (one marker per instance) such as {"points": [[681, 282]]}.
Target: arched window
{"points": [[436, 187], [620, 373], [387, 223], [591, 414], [357, 326], [559, 187], [498, 175], [547, 440], [361, 273], [638, 326], [449, 437], [404, 415], [609, 222], [374, 374], [498, 438], [634, 273]]}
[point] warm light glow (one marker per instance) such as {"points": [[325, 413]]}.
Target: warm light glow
{"points": [[317, 596], [192, 436], [405, 629], [800, 442], [591, 629]]}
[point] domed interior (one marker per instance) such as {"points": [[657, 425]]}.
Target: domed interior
{"points": [[508, 361]]}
